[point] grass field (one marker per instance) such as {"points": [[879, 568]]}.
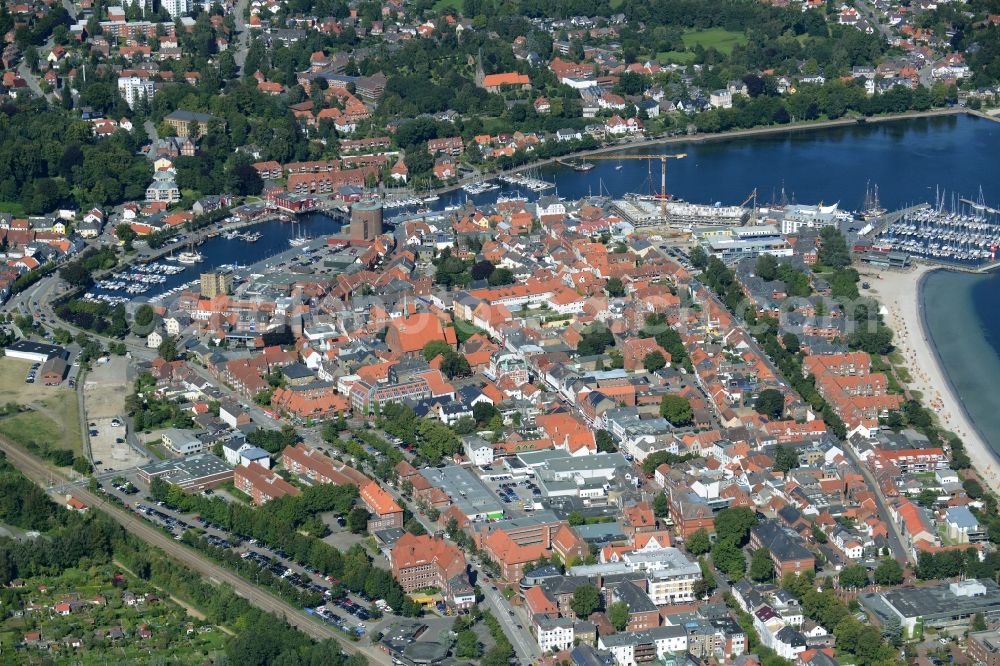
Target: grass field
{"points": [[12, 207], [676, 57], [722, 40], [55, 418], [38, 428], [454, 5]]}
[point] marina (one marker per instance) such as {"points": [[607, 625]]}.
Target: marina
{"points": [[481, 187], [528, 181], [966, 234]]}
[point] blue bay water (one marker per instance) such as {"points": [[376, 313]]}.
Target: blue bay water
{"points": [[962, 316]]}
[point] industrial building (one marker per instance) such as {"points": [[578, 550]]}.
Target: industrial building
{"points": [[36, 352], [195, 472], [947, 607]]}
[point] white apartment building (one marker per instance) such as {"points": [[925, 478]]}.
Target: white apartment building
{"points": [[663, 641], [132, 88], [554, 634]]}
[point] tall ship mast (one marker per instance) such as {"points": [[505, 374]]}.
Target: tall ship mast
{"points": [[872, 208]]}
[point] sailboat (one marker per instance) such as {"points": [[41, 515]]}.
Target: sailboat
{"points": [[618, 167], [872, 207], [300, 240], [191, 256]]}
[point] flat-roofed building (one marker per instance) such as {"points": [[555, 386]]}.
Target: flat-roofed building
{"points": [[467, 492], [36, 352], [945, 606], [181, 442], [984, 647], [195, 472]]}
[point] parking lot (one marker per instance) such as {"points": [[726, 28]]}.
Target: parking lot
{"points": [[517, 496], [104, 396], [350, 613]]}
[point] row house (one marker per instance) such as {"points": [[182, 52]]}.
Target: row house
{"points": [[262, 485], [385, 512], [317, 467]]}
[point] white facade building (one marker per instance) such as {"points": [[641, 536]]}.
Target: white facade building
{"points": [[554, 634], [176, 7], [665, 641], [132, 88]]}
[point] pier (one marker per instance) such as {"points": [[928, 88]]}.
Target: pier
{"points": [[882, 222], [965, 237]]}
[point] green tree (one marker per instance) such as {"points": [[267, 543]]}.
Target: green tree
{"points": [[614, 287], [698, 257], [357, 520], [482, 270], [167, 349], [833, 251], [676, 409], [699, 542], [618, 615], [767, 267], [973, 489], [435, 348], [455, 365], [586, 600], [654, 361], [854, 576], [661, 507], [888, 572], [144, 315], [500, 277], [761, 566], [786, 458], [467, 646], [728, 557], [733, 524], [605, 442], [978, 622], [770, 403], [575, 518], [791, 342]]}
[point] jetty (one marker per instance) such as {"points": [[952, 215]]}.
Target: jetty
{"points": [[884, 221]]}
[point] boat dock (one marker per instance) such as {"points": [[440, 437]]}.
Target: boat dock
{"points": [[882, 222], [533, 184], [963, 237]]}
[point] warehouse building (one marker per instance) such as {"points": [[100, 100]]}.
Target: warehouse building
{"points": [[195, 472]]}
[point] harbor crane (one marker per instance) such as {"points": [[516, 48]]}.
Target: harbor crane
{"points": [[663, 157]]}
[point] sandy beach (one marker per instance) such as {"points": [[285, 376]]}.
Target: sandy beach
{"points": [[898, 292]]}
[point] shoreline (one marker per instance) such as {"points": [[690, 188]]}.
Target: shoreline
{"points": [[901, 293], [699, 138]]}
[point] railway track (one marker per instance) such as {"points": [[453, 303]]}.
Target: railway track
{"points": [[43, 475]]}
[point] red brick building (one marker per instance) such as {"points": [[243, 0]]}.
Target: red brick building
{"points": [[384, 510], [262, 485], [424, 561]]}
